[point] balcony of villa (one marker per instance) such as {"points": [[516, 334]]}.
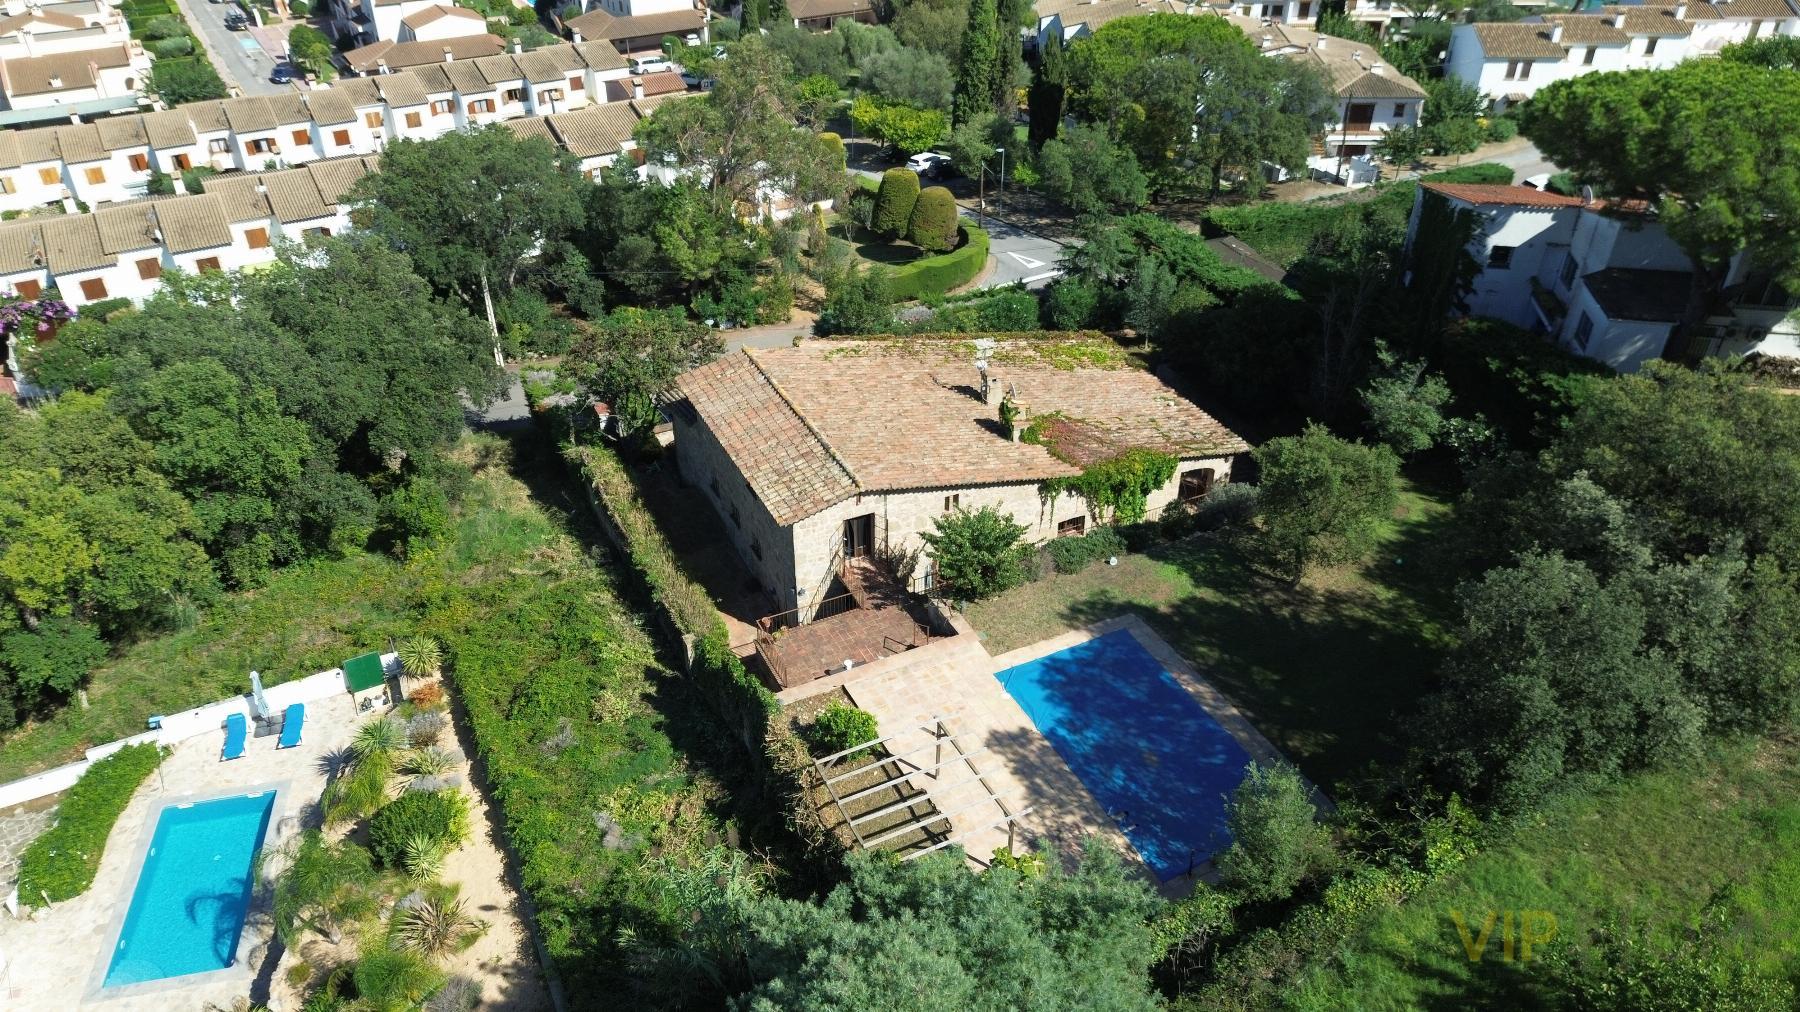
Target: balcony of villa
{"points": [[868, 616]]}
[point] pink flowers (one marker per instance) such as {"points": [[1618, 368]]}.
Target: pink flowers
{"points": [[45, 315]]}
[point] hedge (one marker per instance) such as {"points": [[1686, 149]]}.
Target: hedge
{"points": [[61, 863], [938, 274], [733, 692]]}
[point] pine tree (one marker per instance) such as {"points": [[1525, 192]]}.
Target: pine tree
{"points": [[978, 79], [1047, 92]]}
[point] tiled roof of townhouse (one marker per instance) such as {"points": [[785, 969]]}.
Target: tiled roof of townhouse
{"points": [[1651, 20], [808, 9], [596, 130], [10, 25], [1353, 70], [598, 24], [665, 82], [432, 15], [1517, 40], [1094, 13], [1589, 29], [1747, 9], [811, 425], [405, 55], [46, 75], [1503, 196]]}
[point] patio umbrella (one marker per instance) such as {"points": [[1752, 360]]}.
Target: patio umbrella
{"points": [[258, 701]]}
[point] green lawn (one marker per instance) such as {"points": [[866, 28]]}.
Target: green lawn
{"points": [[1653, 852], [1322, 669]]}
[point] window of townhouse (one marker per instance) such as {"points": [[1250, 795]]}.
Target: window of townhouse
{"points": [[480, 106], [149, 268], [138, 163], [93, 289], [1649, 47], [1400, 110], [204, 264], [1500, 257], [6, 185], [577, 84], [49, 177], [1587, 60], [28, 289], [258, 238], [373, 120], [951, 502], [513, 94], [183, 163], [414, 120], [321, 231], [1518, 70], [341, 138], [549, 95], [1196, 484], [1568, 270], [441, 107], [1584, 331], [95, 175], [260, 146], [302, 138], [1074, 527], [218, 146]]}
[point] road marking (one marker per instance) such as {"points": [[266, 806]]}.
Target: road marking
{"points": [[1035, 278], [1025, 261]]}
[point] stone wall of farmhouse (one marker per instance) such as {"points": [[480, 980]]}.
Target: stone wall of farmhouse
{"points": [[900, 517], [766, 549]]}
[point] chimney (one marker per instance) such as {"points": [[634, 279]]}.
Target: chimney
{"points": [[1615, 20], [55, 80], [1681, 12], [1375, 68], [449, 57], [637, 87], [1556, 32], [381, 67], [1267, 40], [574, 37], [1319, 43], [518, 46], [990, 389]]}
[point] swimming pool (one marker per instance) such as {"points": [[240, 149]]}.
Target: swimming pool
{"points": [[193, 890], [1146, 749]]}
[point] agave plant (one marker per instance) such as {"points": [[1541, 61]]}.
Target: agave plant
{"points": [[381, 736], [424, 858], [427, 762], [438, 926], [421, 656]]}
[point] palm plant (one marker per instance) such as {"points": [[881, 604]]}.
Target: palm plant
{"points": [[427, 762], [360, 791], [394, 980], [378, 736], [421, 656], [323, 887], [438, 926]]}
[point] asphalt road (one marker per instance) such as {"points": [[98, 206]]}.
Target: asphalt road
{"points": [[1019, 255], [239, 59]]}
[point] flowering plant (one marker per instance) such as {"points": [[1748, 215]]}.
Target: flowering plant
{"points": [[44, 314]]}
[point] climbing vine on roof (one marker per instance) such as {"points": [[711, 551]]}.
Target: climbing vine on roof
{"points": [[1118, 487]]}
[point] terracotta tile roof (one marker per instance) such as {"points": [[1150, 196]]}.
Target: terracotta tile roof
{"points": [[539, 67], [1653, 20], [193, 223], [1588, 30], [411, 55], [665, 82], [250, 112], [1348, 66], [419, 19], [21, 246], [785, 463], [598, 54], [1516, 41], [238, 195], [328, 106], [807, 9], [1503, 196], [9, 150], [400, 90], [598, 24], [32, 75], [80, 143], [1746, 9], [127, 227], [169, 128], [39, 145], [120, 132], [207, 117], [805, 423], [11, 25], [596, 130], [72, 243]]}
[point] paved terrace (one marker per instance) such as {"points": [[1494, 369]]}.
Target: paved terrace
{"points": [[58, 960]]}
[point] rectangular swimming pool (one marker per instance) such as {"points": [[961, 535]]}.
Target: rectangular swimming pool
{"points": [[193, 890], [1147, 750]]}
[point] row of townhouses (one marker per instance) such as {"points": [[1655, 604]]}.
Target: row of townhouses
{"points": [[1605, 280], [77, 57], [1509, 62], [113, 159]]}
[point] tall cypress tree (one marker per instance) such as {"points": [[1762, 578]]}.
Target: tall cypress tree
{"points": [[1011, 16], [976, 81], [1047, 91]]}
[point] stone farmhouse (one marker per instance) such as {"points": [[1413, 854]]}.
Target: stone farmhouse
{"points": [[831, 452]]}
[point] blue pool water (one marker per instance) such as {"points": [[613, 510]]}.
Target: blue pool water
{"points": [[1146, 749], [193, 890]]}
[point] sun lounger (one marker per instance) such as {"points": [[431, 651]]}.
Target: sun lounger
{"points": [[292, 720], [235, 731]]}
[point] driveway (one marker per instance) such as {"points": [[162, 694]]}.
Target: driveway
{"points": [[241, 59]]}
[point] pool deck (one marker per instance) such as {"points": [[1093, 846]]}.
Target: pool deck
{"points": [[957, 685], [58, 959]]}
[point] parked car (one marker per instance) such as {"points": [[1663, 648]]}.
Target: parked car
{"points": [[284, 72], [929, 164], [650, 64], [236, 22]]}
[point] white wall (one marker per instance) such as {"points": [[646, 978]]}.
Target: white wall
{"points": [[1538, 239]]}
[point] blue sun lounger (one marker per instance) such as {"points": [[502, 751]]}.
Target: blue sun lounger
{"points": [[235, 732], [292, 720]]}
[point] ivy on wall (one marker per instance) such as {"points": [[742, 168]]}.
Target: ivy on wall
{"points": [[1117, 488]]}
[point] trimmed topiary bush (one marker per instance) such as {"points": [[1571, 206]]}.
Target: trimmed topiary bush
{"points": [[894, 202], [435, 815], [937, 275], [840, 726], [61, 863], [836, 144], [933, 224]]}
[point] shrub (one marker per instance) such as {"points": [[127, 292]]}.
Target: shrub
{"points": [[1479, 173], [299, 8], [61, 863], [932, 226], [1009, 310], [437, 815], [894, 201], [164, 28], [1230, 505], [428, 696], [1071, 304], [1072, 555], [939, 274], [166, 48], [1502, 129], [977, 552], [1275, 840], [424, 730], [840, 726], [104, 308], [395, 978], [836, 144]]}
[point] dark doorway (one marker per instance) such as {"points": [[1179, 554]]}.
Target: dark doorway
{"points": [[859, 536], [1196, 483], [1361, 116]]}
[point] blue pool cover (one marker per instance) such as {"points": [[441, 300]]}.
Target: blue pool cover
{"points": [[1146, 749], [193, 890]]}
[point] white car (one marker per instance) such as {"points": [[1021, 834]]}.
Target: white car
{"points": [[929, 164], [650, 65]]}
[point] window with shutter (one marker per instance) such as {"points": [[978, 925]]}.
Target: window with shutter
{"points": [[258, 238], [93, 289], [149, 268]]}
